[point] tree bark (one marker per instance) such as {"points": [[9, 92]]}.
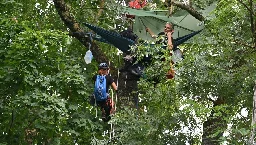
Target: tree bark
{"points": [[76, 31], [253, 116], [213, 125], [102, 3], [189, 9]]}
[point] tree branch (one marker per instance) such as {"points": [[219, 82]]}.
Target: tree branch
{"points": [[250, 10], [100, 10], [252, 20], [243, 44], [189, 9], [76, 31]]}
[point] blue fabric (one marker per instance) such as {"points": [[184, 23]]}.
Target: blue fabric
{"points": [[123, 43], [183, 39], [100, 90], [113, 38]]}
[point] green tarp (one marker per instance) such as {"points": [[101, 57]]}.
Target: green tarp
{"points": [[184, 23]]}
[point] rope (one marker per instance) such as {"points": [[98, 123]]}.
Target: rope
{"points": [[118, 71], [112, 130], [90, 35], [111, 124], [117, 89], [95, 104]]}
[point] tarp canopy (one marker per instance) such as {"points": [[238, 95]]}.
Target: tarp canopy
{"points": [[185, 26], [184, 23]]}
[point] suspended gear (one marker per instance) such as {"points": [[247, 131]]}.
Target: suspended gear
{"points": [[114, 38], [103, 66], [100, 91], [121, 41], [129, 34], [185, 25]]}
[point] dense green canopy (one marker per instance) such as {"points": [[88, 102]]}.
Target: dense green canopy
{"points": [[45, 83]]}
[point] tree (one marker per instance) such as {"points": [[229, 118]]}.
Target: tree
{"points": [[44, 86], [228, 81], [43, 83]]}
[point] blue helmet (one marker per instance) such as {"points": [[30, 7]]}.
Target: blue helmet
{"points": [[103, 66]]}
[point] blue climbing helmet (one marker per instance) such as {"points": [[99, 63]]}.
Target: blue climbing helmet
{"points": [[103, 66]]}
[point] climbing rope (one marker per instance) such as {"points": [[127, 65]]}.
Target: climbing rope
{"points": [[116, 97], [95, 105], [112, 129]]}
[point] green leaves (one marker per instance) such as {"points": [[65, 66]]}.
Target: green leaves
{"points": [[41, 77], [44, 86]]}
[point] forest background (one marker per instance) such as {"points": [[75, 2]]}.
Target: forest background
{"points": [[45, 83]]}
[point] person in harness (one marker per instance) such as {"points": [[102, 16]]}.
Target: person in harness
{"points": [[101, 89]]}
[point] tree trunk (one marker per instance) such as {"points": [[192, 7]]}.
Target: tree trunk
{"points": [[253, 116], [253, 29], [213, 125], [127, 96]]}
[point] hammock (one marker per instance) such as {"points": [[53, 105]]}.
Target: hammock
{"points": [[123, 43], [111, 37]]}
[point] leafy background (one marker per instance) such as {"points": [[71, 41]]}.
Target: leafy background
{"points": [[45, 84]]}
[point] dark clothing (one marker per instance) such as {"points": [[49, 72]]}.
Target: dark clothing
{"points": [[109, 81], [105, 107], [129, 34]]}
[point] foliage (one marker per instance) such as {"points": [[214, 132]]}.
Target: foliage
{"points": [[44, 83], [224, 69]]}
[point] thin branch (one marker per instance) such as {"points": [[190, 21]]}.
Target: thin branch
{"points": [[100, 11], [250, 10], [243, 44], [252, 21]]}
